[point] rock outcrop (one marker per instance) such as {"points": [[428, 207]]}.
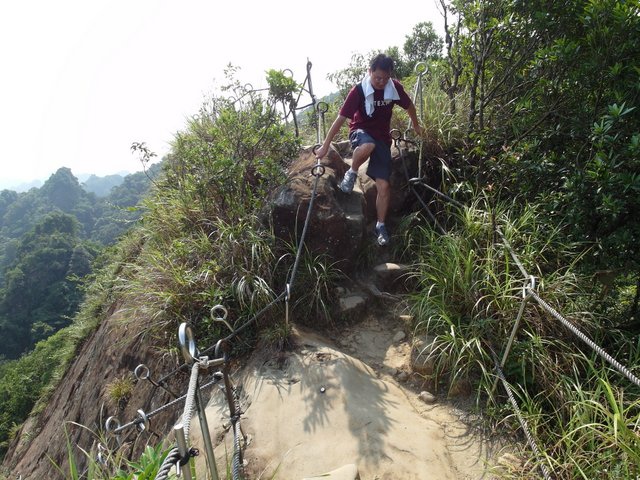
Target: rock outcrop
{"points": [[78, 408], [339, 223]]}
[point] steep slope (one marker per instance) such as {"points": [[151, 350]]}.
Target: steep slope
{"points": [[82, 400]]}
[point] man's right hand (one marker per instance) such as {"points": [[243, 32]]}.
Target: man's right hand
{"points": [[322, 151]]}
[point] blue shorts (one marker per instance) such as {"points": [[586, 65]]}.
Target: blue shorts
{"points": [[380, 159]]}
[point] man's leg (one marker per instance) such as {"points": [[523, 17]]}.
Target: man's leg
{"points": [[360, 155], [382, 199], [380, 169]]}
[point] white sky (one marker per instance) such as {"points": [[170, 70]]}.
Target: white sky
{"points": [[81, 80]]}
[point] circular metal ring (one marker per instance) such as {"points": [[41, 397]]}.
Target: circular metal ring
{"points": [[247, 87], [318, 170], [287, 71], [216, 351], [529, 285], [396, 134], [420, 68], [112, 424], [187, 343], [217, 308], [323, 107], [144, 425], [101, 455], [141, 372]]}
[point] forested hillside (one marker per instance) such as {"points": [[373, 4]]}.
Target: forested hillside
{"points": [[49, 237]]}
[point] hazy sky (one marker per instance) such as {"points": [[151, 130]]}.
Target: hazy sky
{"points": [[83, 79]]}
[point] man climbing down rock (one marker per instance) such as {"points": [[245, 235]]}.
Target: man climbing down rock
{"points": [[369, 107]]}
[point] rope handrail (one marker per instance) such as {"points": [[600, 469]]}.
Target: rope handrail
{"points": [[174, 456], [521, 420], [141, 419], [594, 346], [528, 293], [531, 292]]}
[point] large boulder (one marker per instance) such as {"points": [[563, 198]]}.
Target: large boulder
{"points": [[339, 222]]}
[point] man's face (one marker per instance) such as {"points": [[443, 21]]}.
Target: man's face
{"points": [[379, 78]]}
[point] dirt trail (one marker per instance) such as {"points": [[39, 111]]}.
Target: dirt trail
{"points": [[327, 404]]}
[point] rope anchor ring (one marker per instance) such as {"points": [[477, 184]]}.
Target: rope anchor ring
{"points": [[318, 169], [420, 68], [395, 134], [187, 343], [141, 372], [144, 421]]}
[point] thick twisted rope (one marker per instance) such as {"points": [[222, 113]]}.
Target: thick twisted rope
{"points": [[167, 464], [523, 423], [595, 347], [174, 455]]}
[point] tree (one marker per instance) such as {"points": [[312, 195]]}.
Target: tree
{"points": [[39, 298], [423, 44]]}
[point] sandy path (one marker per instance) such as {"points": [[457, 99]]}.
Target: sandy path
{"points": [[318, 407]]}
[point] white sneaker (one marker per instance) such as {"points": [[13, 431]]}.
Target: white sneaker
{"points": [[349, 180]]}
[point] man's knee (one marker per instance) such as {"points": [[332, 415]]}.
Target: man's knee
{"points": [[364, 149], [383, 187]]}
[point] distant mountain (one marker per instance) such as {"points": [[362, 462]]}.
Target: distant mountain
{"points": [[19, 187], [98, 185], [102, 186]]}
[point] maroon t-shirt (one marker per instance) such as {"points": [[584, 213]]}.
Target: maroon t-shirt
{"points": [[379, 124]]}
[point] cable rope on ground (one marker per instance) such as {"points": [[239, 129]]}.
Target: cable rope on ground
{"points": [[523, 423], [595, 347], [530, 292]]}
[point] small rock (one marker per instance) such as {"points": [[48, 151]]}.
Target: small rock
{"points": [[398, 337], [403, 377], [351, 302], [427, 397]]}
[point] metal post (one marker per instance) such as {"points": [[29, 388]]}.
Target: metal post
{"points": [[183, 450], [529, 283], [206, 436]]}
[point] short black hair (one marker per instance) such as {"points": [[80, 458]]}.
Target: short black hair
{"points": [[382, 62]]}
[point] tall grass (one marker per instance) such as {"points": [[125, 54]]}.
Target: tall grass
{"points": [[469, 293], [204, 241]]}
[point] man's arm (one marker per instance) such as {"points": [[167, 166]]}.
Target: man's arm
{"points": [[333, 131]]}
